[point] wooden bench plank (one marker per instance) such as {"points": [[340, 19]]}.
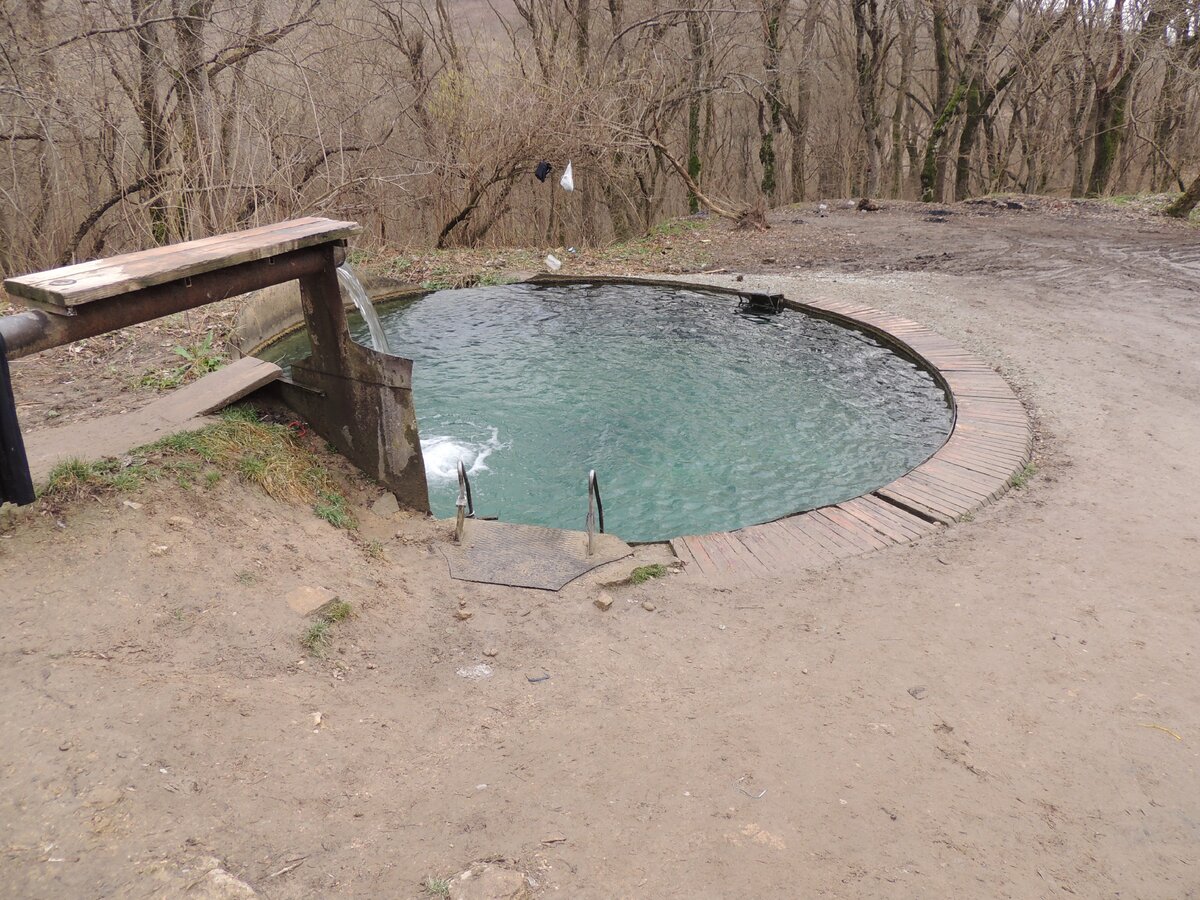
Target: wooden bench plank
{"points": [[100, 279]]}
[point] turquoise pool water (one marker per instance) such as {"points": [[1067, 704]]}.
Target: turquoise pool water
{"points": [[695, 416]]}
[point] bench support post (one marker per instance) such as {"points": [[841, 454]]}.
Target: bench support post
{"points": [[356, 398]]}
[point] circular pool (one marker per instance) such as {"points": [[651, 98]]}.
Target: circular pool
{"points": [[697, 416]]}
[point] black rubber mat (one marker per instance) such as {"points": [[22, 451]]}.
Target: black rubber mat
{"points": [[527, 555]]}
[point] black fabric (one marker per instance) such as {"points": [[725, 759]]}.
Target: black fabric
{"points": [[16, 486], [542, 170]]}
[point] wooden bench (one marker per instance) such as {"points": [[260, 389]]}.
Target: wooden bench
{"points": [[102, 295], [357, 399]]}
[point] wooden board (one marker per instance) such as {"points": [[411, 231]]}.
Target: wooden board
{"points": [[185, 409], [100, 279]]}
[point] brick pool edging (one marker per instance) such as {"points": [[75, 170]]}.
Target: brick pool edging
{"points": [[990, 443]]}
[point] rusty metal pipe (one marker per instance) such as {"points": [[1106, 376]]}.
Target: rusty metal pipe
{"points": [[36, 330], [24, 330]]}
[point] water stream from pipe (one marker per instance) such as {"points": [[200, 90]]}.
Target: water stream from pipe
{"points": [[352, 286]]}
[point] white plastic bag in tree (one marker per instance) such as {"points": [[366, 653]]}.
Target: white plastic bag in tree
{"points": [[568, 179]]}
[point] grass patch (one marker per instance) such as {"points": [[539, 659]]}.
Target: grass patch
{"points": [[318, 637], [436, 887], [338, 611], [493, 279], [199, 359], [331, 506], [241, 444], [1022, 478], [676, 227], [642, 574], [74, 478], [262, 453]]}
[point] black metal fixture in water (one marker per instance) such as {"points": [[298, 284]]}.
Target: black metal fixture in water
{"points": [[767, 304]]}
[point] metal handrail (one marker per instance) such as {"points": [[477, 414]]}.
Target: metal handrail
{"points": [[595, 506], [465, 503], [465, 482]]}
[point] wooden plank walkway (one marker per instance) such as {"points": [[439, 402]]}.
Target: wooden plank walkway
{"points": [[990, 443]]}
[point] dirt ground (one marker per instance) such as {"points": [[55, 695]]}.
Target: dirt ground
{"points": [[1007, 709]]}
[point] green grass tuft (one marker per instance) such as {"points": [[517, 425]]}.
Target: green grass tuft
{"points": [[316, 638], [642, 574], [1022, 478], [199, 359], [331, 506], [263, 453], [436, 887], [75, 478], [68, 476], [337, 611]]}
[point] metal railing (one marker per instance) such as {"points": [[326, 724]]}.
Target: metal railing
{"points": [[595, 511], [465, 506], [465, 503]]}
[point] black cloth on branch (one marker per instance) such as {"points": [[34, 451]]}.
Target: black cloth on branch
{"points": [[543, 169], [16, 485]]}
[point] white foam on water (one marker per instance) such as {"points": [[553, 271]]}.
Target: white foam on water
{"points": [[442, 453]]}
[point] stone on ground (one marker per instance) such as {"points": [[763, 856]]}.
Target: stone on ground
{"points": [[490, 881], [307, 600], [386, 506]]}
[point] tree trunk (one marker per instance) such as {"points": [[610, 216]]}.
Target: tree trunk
{"points": [[798, 120], [197, 133], [154, 136], [868, 32], [1111, 105], [903, 109], [945, 105], [696, 42], [771, 125], [587, 183], [1187, 201]]}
